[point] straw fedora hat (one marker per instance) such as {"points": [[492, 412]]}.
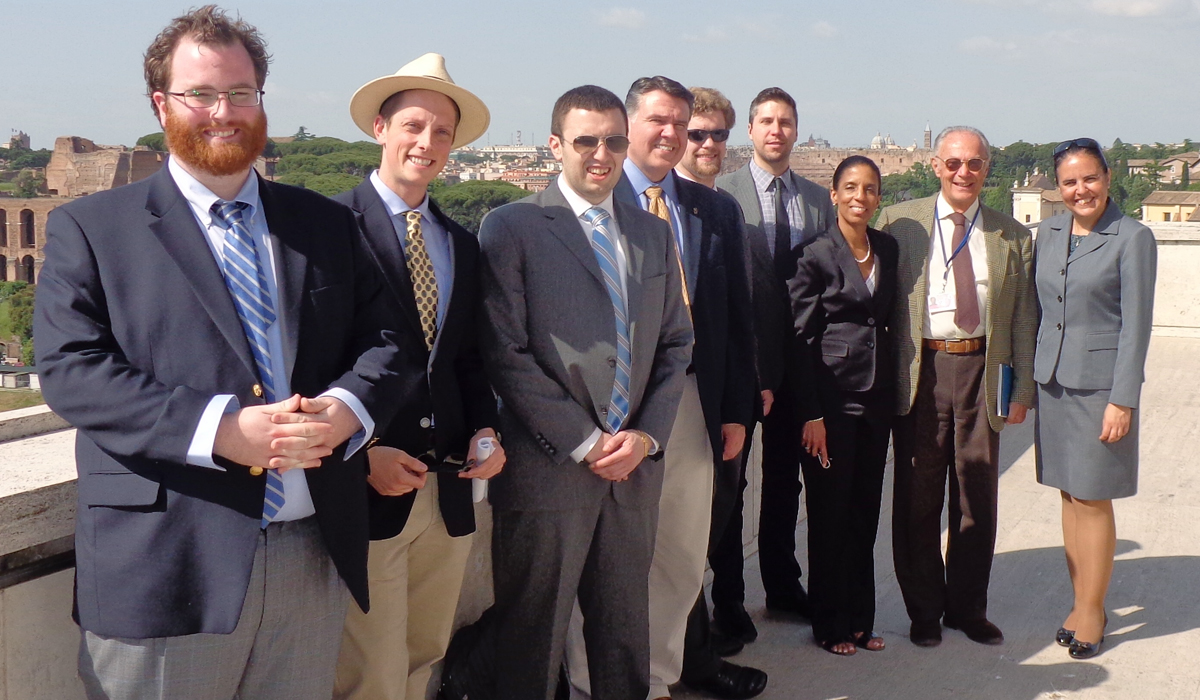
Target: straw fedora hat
{"points": [[425, 73]]}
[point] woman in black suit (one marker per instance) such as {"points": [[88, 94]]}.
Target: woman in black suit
{"points": [[842, 374]]}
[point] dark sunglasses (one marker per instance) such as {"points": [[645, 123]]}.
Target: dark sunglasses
{"points": [[615, 143], [953, 164], [1089, 144], [701, 135], [450, 463]]}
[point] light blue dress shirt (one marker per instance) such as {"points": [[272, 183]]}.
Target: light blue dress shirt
{"points": [[298, 501], [437, 240], [670, 193]]}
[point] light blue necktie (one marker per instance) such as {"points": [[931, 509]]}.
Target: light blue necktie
{"points": [[605, 248], [247, 284]]}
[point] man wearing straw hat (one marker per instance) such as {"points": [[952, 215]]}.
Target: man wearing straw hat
{"points": [[420, 522]]}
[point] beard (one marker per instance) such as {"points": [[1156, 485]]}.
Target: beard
{"points": [[188, 145], [705, 168]]}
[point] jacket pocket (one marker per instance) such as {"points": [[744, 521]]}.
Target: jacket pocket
{"points": [[118, 489], [1106, 340], [835, 348]]}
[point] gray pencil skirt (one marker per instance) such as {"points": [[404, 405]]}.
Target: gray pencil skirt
{"points": [[1070, 455]]}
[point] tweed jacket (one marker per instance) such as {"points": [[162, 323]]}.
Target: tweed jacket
{"points": [[1011, 300]]}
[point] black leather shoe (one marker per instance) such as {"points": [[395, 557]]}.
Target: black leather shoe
{"points": [[735, 622], [1063, 637], [731, 682], [980, 630], [1084, 650], [724, 645], [792, 606], [925, 633]]}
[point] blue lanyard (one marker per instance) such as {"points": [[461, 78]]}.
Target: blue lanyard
{"points": [[962, 244]]}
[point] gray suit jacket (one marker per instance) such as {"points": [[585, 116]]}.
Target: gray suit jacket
{"points": [[1097, 305], [549, 346], [769, 294]]}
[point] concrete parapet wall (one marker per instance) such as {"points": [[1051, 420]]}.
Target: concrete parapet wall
{"points": [[1176, 296]]}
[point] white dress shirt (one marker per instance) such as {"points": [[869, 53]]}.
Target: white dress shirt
{"points": [[940, 324], [297, 499]]}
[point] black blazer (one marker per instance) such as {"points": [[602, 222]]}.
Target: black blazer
{"points": [[136, 333], [722, 357], [445, 397], [842, 342]]}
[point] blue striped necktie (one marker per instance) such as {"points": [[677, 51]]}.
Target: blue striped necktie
{"points": [[247, 284], [605, 247]]}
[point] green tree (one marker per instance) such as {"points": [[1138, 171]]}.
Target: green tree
{"points": [[920, 181], [19, 299], [155, 142], [303, 134], [468, 202], [28, 184], [998, 198], [22, 158]]}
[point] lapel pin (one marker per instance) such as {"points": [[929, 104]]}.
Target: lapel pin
{"points": [[696, 211]]}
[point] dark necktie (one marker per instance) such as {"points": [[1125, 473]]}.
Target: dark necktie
{"points": [[247, 284], [966, 298], [420, 269], [783, 232]]}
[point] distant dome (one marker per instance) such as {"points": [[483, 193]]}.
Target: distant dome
{"points": [[877, 142], [888, 141]]}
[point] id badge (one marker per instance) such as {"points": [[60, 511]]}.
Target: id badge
{"points": [[941, 302]]}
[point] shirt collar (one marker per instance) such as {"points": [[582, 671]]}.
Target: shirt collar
{"points": [[202, 199], [395, 205], [640, 182], [763, 179], [578, 204], [945, 210]]}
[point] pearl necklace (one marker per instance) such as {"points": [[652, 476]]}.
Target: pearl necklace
{"points": [[865, 257]]}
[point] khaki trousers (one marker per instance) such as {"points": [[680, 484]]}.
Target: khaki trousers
{"points": [[680, 550], [415, 579]]}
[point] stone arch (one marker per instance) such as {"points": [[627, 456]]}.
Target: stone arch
{"points": [[28, 233], [26, 272], [3, 269], [3, 228]]}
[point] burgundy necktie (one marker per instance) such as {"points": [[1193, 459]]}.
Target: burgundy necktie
{"points": [[966, 298]]}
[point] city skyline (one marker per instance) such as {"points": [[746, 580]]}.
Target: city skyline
{"points": [[1018, 69]]}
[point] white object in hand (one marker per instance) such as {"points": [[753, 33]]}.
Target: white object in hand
{"points": [[479, 487]]}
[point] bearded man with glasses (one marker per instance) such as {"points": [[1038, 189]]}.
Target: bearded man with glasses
{"points": [[964, 350], [585, 337]]}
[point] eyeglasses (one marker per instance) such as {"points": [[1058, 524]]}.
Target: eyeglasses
{"points": [[615, 143], [1089, 144], [701, 135], [200, 98], [953, 164]]}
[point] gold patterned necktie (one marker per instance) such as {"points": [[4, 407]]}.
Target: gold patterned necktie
{"points": [[658, 207], [420, 269]]}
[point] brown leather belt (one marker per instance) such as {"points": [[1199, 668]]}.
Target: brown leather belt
{"points": [[956, 347]]}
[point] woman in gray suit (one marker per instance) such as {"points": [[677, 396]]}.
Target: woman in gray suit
{"points": [[1095, 284]]}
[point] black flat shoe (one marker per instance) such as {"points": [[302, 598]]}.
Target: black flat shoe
{"points": [[731, 682], [926, 633], [1084, 650], [980, 631], [724, 645], [790, 608], [734, 621], [1063, 637]]}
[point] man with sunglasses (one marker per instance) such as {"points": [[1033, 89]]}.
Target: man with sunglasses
{"points": [[421, 510], [221, 343], [707, 132], [971, 310], [586, 339], [718, 390], [782, 210]]}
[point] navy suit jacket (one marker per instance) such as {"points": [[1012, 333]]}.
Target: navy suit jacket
{"points": [[714, 258], [445, 396], [136, 333]]}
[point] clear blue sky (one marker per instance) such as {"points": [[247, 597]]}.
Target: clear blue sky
{"points": [[1034, 70]]}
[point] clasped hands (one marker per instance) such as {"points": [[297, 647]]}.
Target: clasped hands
{"points": [[395, 472], [614, 457], [296, 433]]}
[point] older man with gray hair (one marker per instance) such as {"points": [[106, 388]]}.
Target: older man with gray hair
{"points": [[964, 339]]}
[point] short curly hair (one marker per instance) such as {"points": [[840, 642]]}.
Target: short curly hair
{"points": [[710, 101], [208, 26]]}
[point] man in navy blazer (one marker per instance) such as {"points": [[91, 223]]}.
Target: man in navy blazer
{"points": [[420, 523], [221, 526]]}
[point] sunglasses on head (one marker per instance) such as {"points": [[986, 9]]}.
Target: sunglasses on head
{"points": [[1089, 144], [701, 135], [615, 143], [953, 164]]}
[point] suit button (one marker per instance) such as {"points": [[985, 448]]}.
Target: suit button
{"points": [[1060, 298], [1058, 326], [425, 423], [258, 390], [870, 321], [604, 411], [612, 362], [871, 343], [1062, 271]]}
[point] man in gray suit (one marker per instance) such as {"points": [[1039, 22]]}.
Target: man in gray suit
{"points": [[586, 339], [782, 211]]}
